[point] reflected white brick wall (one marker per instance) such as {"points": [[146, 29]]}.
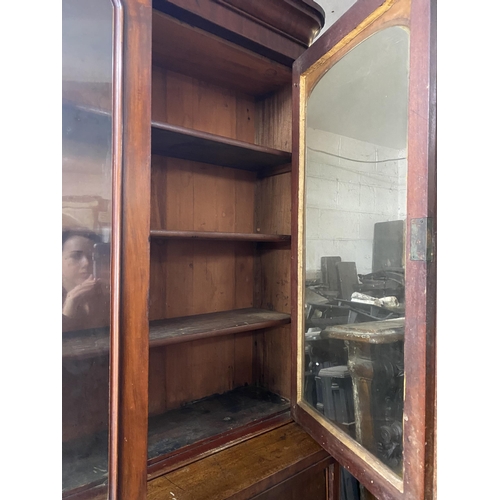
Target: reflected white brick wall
{"points": [[344, 198]]}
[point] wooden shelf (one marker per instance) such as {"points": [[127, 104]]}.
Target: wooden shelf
{"points": [[187, 144], [88, 343], [212, 235], [187, 328]]}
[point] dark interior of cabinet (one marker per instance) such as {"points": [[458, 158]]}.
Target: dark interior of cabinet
{"points": [[219, 360]]}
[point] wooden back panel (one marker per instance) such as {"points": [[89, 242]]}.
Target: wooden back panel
{"points": [[188, 102], [195, 277]]}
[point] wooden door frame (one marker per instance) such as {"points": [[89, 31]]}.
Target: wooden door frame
{"points": [[419, 411], [129, 354]]}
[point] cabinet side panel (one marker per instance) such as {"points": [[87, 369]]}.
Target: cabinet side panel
{"points": [[157, 387], [273, 120], [275, 279], [158, 96], [272, 358], [273, 204], [277, 362]]}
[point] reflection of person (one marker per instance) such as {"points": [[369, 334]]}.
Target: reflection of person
{"points": [[85, 301]]}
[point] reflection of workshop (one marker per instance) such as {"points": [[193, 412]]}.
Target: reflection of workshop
{"points": [[354, 347]]}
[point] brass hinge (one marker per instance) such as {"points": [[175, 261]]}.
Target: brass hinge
{"points": [[421, 239]]}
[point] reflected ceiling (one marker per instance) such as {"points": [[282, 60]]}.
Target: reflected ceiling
{"points": [[369, 81]]}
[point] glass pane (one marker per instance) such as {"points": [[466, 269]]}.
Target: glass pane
{"points": [[355, 178], [87, 46]]}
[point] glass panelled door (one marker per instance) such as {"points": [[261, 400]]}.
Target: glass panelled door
{"points": [[365, 175], [87, 182], [354, 265]]}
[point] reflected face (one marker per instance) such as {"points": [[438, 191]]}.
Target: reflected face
{"points": [[76, 261]]}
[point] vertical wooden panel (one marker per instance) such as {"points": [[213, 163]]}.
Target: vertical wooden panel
{"points": [[181, 97], [133, 318], [244, 201], [245, 118], [198, 369], [420, 293], [275, 278], [206, 187], [158, 97], [213, 278], [179, 278], [159, 207], [273, 204], [177, 375], [243, 369], [177, 194], [206, 107], [276, 364], [216, 111], [243, 275], [274, 120], [157, 388]]}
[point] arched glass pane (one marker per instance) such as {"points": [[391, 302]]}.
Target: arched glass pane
{"points": [[355, 185], [87, 48]]}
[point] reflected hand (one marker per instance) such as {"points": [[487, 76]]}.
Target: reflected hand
{"points": [[78, 296]]}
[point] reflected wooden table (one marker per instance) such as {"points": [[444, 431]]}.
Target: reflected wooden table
{"points": [[375, 361]]}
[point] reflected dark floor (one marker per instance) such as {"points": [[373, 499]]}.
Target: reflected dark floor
{"points": [[85, 462]]}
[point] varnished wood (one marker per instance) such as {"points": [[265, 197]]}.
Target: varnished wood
{"points": [[272, 458], [213, 235], [178, 142], [189, 328], [92, 343], [132, 385], [274, 120], [256, 31], [216, 275], [190, 51], [309, 483], [420, 333], [284, 17]]}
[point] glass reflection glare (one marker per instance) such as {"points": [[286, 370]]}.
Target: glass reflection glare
{"points": [[87, 49], [355, 219]]}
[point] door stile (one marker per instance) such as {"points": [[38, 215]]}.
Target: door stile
{"points": [[131, 413], [420, 328]]}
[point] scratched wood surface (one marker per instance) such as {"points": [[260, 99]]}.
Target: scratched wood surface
{"points": [[272, 458]]}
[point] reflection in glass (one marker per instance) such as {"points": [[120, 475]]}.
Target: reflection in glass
{"points": [[355, 184], [87, 49]]}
